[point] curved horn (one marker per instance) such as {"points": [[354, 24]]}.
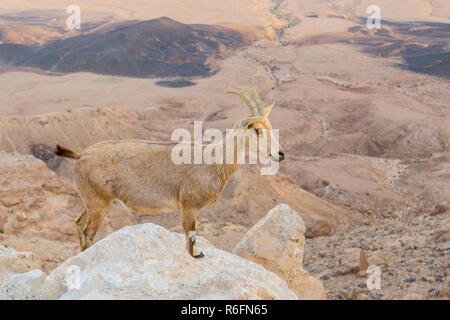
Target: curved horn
{"points": [[254, 110], [256, 98]]}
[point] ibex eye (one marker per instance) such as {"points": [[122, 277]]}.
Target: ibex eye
{"points": [[258, 131]]}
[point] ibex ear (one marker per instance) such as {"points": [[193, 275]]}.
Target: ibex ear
{"points": [[246, 123], [268, 109]]}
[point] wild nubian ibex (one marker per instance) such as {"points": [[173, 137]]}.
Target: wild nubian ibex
{"points": [[141, 175]]}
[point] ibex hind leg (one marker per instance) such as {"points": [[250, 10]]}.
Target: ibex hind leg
{"points": [[90, 220], [190, 221], [81, 225]]}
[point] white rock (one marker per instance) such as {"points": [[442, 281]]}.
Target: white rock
{"points": [[277, 242], [24, 286], [12, 262], [149, 262]]}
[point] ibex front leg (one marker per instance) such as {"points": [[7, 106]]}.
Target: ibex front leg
{"points": [[190, 219]]}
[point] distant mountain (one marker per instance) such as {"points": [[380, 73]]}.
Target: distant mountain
{"points": [[159, 47]]}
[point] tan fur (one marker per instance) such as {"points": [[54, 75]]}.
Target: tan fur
{"points": [[143, 177]]}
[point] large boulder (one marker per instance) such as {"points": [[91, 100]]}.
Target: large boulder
{"points": [[23, 286], [13, 262], [276, 242], [150, 262]]}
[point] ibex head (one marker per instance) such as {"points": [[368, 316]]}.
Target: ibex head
{"points": [[258, 124]]}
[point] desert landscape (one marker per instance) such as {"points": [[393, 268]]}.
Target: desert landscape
{"points": [[363, 114]]}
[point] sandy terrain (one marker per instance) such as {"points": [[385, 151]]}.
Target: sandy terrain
{"points": [[367, 142]]}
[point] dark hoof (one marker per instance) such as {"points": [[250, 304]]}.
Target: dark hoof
{"points": [[201, 255]]}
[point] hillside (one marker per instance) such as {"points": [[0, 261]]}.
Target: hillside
{"points": [[161, 47]]}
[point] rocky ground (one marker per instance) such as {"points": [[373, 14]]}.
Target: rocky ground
{"points": [[150, 262], [413, 254], [364, 124]]}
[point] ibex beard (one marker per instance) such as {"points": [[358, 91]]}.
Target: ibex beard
{"points": [[142, 175]]}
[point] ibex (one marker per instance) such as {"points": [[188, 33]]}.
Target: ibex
{"points": [[141, 175]]}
